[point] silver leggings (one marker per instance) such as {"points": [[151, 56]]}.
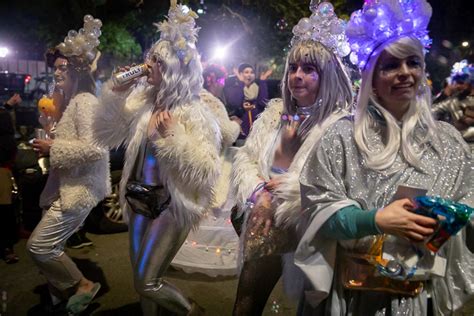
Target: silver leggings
{"points": [[46, 245], [153, 245]]}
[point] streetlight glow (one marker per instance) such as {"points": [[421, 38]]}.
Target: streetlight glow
{"points": [[3, 52], [185, 8], [465, 44], [220, 52]]}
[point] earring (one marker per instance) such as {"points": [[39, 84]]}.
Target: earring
{"points": [[421, 88]]}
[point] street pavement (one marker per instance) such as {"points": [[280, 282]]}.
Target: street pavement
{"points": [[22, 287]]}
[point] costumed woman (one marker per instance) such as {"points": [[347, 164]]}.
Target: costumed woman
{"points": [[358, 185], [454, 108], [316, 93], [212, 247], [172, 157], [79, 170]]}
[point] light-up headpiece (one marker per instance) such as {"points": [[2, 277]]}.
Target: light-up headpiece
{"points": [[180, 30], [462, 71], [322, 26], [380, 21]]}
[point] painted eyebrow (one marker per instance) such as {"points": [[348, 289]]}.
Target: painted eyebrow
{"points": [[303, 64], [390, 60], [414, 57], [395, 59]]}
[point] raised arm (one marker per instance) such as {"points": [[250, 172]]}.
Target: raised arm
{"points": [[116, 112]]}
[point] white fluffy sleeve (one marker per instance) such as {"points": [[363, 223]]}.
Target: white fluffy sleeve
{"points": [[288, 212], [229, 129], [69, 152], [115, 114], [246, 171], [189, 161]]}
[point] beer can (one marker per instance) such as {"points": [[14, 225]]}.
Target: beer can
{"points": [[124, 77], [40, 133]]}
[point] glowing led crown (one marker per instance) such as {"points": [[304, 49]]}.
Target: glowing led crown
{"points": [[382, 20], [322, 26], [180, 30], [463, 71]]}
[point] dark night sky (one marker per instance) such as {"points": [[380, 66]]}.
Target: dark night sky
{"points": [[452, 19]]}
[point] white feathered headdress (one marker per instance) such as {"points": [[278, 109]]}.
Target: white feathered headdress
{"points": [[180, 30]]}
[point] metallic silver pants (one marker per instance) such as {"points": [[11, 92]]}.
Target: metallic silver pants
{"points": [[46, 245], [153, 245]]}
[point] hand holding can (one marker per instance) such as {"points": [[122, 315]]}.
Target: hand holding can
{"points": [[40, 133], [128, 75]]}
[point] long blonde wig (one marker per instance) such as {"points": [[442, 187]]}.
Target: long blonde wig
{"points": [[396, 137]]}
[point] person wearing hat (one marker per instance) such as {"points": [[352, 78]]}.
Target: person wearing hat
{"points": [[364, 249], [316, 92], [172, 159], [79, 174]]}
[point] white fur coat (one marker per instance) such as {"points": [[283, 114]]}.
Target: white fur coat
{"points": [[230, 130], [82, 167], [253, 162], [188, 157]]}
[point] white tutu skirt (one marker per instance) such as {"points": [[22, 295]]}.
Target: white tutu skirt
{"points": [[212, 248]]}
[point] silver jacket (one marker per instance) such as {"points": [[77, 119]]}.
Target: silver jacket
{"points": [[335, 176]]}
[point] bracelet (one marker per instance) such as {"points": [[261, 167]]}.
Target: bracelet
{"points": [[253, 197]]}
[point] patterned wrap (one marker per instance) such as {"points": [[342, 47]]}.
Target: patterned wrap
{"points": [[335, 176]]}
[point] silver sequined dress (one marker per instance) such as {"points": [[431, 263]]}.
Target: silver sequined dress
{"points": [[335, 175]]}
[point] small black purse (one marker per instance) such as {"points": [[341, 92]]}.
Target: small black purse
{"points": [[147, 200]]}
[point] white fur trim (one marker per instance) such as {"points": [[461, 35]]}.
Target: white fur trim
{"points": [[249, 160], [83, 167], [253, 162], [230, 130], [116, 114], [189, 160]]}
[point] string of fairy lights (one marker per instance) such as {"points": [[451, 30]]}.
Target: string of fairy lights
{"points": [[217, 249]]}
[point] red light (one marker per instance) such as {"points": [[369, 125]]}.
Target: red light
{"points": [[27, 79]]}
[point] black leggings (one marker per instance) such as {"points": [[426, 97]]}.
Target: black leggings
{"points": [[257, 280]]}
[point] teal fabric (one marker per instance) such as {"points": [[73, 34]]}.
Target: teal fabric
{"points": [[350, 222]]}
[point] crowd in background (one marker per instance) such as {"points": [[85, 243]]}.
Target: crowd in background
{"points": [[316, 167]]}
